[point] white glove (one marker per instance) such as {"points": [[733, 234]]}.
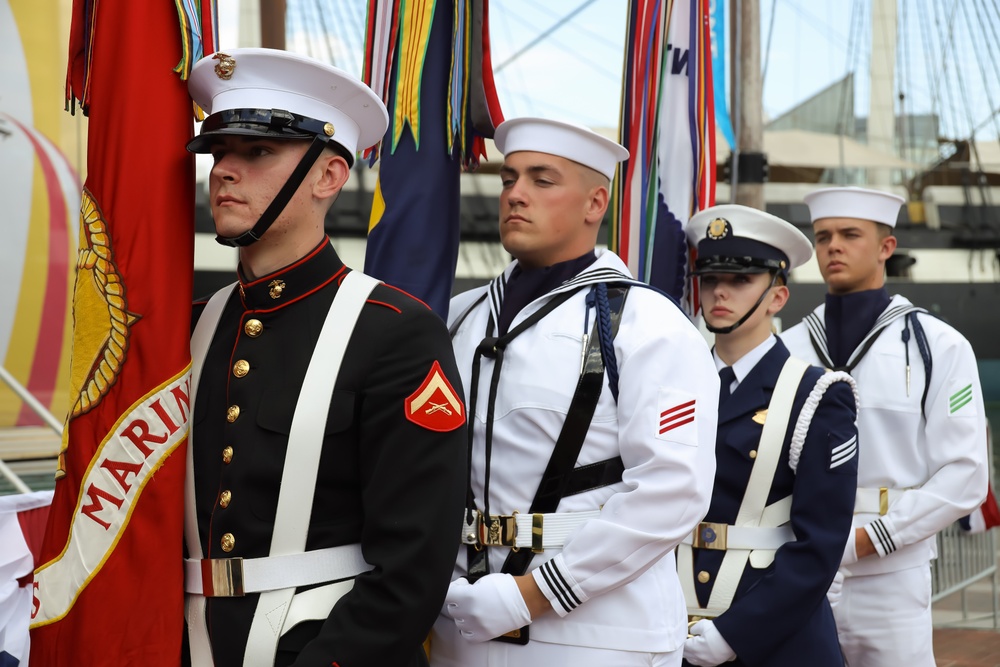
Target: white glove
{"points": [[489, 608], [707, 648], [836, 589]]}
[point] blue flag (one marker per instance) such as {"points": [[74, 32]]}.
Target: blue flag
{"points": [[414, 229]]}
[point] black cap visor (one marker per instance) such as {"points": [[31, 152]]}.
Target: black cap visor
{"points": [[263, 123], [745, 265]]}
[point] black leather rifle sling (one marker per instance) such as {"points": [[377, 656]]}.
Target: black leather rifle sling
{"points": [[559, 472]]}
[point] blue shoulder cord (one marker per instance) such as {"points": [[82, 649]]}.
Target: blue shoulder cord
{"points": [[925, 354], [598, 299]]}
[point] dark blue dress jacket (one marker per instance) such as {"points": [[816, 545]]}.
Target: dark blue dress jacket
{"points": [[780, 615]]}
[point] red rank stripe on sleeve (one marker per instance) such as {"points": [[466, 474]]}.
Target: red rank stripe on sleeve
{"points": [[435, 405], [676, 416]]}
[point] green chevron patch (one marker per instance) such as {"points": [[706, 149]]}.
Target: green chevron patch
{"points": [[959, 399]]}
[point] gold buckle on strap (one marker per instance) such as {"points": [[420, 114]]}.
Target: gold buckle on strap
{"points": [[222, 577], [710, 535], [883, 501], [498, 530]]}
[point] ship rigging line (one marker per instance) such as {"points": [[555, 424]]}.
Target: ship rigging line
{"points": [[533, 43]]}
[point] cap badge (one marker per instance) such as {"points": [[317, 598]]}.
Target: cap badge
{"points": [[225, 67], [718, 229]]}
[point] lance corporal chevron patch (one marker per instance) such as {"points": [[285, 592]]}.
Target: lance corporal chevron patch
{"points": [[435, 404]]}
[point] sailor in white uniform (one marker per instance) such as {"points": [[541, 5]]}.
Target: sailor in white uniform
{"points": [[593, 498], [921, 427]]}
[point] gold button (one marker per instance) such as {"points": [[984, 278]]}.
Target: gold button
{"points": [[753, 453], [224, 498], [232, 413], [241, 368], [703, 576], [328, 129], [253, 328], [228, 541], [227, 454]]}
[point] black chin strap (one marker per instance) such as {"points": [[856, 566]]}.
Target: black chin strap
{"points": [[281, 199], [733, 327]]}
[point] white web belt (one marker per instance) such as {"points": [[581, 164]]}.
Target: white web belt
{"points": [[722, 537], [525, 531], [235, 577], [876, 501]]}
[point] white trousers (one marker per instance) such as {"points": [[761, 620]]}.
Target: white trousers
{"points": [[884, 620], [449, 649]]}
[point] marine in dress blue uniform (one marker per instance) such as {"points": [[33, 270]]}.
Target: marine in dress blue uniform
{"points": [[391, 471], [779, 614]]}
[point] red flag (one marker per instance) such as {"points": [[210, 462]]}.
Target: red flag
{"points": [[109, 587]]}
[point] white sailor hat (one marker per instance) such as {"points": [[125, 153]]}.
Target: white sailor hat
{"points": [[274, 93], [567, 140], [852, 202], [738, 239]]}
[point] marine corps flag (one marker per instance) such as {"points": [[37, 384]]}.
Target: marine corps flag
{"points": [[430, 62], [108, 589]]}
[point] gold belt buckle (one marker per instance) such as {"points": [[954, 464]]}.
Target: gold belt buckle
{"points": [[710, 535], [498, 530], [883, 501], [222, 577]]}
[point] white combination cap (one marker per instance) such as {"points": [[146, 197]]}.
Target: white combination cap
{"points": [[853, 202], [275, 93], [738, 239], [566, 140]]}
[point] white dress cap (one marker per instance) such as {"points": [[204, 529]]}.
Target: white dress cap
{"points": [[267, 79], [853, 202], [566, 140], [726, 227]]}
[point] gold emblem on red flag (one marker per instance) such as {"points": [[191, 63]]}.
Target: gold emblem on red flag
{"points": [[225, 67], [435, 405], [100, 312]]}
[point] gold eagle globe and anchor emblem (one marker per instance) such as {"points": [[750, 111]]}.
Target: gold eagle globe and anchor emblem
{"points": [[225, 67], [100, 311], [101, 318]]}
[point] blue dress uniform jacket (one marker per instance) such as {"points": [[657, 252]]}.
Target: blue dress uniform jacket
{"points": [[384, 481], [780, 615]]}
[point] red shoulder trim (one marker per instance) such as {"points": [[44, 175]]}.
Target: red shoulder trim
{"points": [[407, 294], [382, 303]]}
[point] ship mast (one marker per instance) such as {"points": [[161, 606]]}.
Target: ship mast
{"points": [[881, 97], [262, 23], [748, 159]]}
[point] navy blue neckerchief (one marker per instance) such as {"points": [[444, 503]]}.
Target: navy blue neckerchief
{"points": [[849, 318], [526, 285]]}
